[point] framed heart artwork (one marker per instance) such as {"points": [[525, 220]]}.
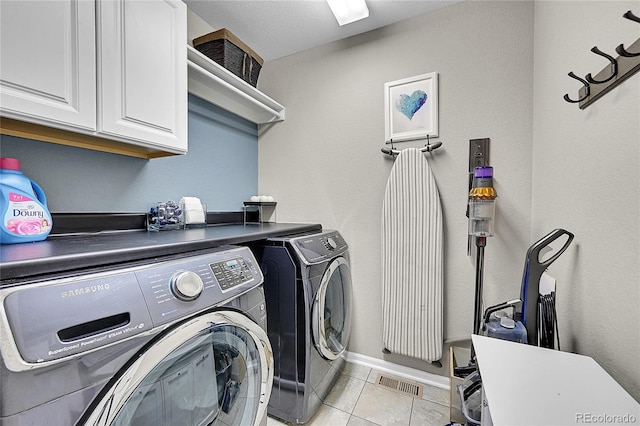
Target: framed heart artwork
{"points": [[411, 108]]}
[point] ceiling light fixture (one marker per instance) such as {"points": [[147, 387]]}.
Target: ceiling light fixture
{"points": [[348, 11]]}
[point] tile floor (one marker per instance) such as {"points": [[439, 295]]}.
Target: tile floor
{"points": [[356, 401]]}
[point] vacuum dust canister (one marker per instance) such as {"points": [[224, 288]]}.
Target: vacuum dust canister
{"points": [[482, 203]]}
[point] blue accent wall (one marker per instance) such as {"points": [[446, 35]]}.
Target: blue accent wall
{"points": [[221, 168]]}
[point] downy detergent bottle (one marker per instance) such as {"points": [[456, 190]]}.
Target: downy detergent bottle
{"points": [[23, 206]]}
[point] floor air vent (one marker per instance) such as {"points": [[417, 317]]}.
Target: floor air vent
{"points": [[399, 385]]}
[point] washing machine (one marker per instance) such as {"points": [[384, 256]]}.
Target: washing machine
{"points": [[178, 340], [309, 296]]}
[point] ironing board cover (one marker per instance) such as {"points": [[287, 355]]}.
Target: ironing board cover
{"points": [[412, 266]]}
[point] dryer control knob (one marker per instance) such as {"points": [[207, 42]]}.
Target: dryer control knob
{"points": [[186, 285], [331, 244]]}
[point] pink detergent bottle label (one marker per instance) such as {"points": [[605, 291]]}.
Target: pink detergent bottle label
{"points": [[25, 217], [16, 198]]}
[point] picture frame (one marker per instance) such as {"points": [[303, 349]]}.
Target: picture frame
{"points": [[411, 108]]}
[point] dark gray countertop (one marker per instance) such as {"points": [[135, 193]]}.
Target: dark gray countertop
{"points": [[69, 253]]}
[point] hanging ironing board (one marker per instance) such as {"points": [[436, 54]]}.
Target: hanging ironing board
{"points": [[412, 260]]}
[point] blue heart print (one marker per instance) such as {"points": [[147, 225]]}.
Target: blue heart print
{"points": [[409, 105]]}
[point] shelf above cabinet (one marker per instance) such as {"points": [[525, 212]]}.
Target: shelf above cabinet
{"points": [[215, 84]]}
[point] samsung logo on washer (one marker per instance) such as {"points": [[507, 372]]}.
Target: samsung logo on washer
{"points": [[85, 290]]}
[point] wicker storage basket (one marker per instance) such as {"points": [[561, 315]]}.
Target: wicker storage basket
{"points": [[229, 51]]}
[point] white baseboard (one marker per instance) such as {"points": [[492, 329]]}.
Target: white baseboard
{"points": [[399, 370]]}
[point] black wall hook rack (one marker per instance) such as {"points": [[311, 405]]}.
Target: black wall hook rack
{"points": [[618, 70]]}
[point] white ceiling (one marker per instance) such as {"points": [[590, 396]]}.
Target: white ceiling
{"points": [[277, 28]]}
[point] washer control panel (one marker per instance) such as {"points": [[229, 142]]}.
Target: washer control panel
{"points": [[198, 282], [319, 247]]}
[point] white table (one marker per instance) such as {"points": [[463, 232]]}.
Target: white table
{"points": [[529, 385]]}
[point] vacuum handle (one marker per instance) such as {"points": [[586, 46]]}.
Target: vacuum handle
{"points": [[534, 250], [533, 270]]}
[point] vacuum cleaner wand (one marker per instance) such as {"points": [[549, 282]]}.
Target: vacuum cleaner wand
{"points": [[481, 242], [533, 270]]}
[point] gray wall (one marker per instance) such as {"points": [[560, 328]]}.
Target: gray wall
{"points": [[585, 178], [555, 165], [324, 162], [221, 168]]}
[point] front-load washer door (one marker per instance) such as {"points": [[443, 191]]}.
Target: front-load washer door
{"points": [[216, 369], [331, 314]]}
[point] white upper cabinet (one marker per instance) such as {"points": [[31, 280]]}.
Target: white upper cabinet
{"points": [[142, 66], [48, 72], [111, 69]]}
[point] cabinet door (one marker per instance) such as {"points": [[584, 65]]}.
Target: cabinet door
{"points": [[48, 62], [142, 63]]}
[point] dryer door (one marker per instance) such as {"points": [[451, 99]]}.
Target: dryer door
{"points": [[332, 310], [215, 369]]}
